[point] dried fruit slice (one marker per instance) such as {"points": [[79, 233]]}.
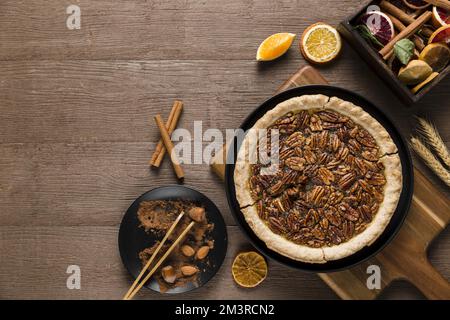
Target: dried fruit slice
{"points": [[320, 43], [416, 4], [441, 35], [437, 55], [441, 17], [424, 83], [274, 46], [380, 25], [415, 72], [249, 269]]}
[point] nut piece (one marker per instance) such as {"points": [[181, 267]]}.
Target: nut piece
{"points": [[202, 252], [188, 270], [326, 176], [168, 274], [187, 250], [197, 214], [296, 163]]}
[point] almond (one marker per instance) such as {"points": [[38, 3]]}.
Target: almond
{"points": [[197, 214], [168, 274], [189, 270], [187, 251], [202, 252]]}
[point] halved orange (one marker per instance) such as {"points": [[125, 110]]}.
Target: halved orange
{"points": [[249, 269], [320, 43], [274, 46]]}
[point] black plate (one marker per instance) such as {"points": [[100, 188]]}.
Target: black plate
{"points": [[133, 239], [405, 197]]}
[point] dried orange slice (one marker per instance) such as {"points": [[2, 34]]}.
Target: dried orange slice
{"points": [[441, 35], [320, 43], [437, 55], [249, 269], [441, 17], [424, 83], [274, 46]]}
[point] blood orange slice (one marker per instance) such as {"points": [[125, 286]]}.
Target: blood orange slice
{"points": [[441, 17], [416, 4], [380, 25], [441, 35]]}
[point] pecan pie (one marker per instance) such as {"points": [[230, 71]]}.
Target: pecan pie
{"points": [[336, 184]]}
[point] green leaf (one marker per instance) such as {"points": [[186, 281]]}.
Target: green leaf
{"points": [[404, 50], [366, 34]]}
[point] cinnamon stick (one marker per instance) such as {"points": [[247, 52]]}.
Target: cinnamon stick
{"points": [[171, 124], [427, 32], [396, 22], [417, 13], [445, 4], [169, 146], [398, 13], [406, 33], [160, 144], [400, 27]]}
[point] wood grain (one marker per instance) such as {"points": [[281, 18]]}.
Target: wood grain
{"points": [[76, 127], [155, 29], [86, 184], [102, 272], [103, 276], [93, 101]]}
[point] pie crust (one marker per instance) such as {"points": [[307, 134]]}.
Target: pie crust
{"points": [[388, 156]]}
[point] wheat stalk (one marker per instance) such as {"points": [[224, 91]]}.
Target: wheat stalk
{"points": [[430, 160], [429, 132]]}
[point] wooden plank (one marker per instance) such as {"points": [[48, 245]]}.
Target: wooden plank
{"points": [[75, 132], [93, 101], [139, 29], [103, 276], [86, 184], [31, 271], [66, 184]]}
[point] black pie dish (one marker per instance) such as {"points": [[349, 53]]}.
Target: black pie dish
{"points": [[133, 239], [403, 205]]}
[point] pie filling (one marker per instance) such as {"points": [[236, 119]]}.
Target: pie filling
{"points": [[329, 184]]}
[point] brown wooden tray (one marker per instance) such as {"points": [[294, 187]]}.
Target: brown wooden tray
{"points": [[406, 256], [373, 59]]}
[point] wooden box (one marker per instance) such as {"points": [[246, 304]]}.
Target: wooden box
{"points": [[371, 56]]}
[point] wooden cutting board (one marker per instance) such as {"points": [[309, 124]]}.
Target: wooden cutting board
{"points": [[406, 256]]}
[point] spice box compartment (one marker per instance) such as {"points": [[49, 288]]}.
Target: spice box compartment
{"points": [[377, 63]]}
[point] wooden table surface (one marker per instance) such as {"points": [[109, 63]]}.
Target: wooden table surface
{"points": [[76, 128]]}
